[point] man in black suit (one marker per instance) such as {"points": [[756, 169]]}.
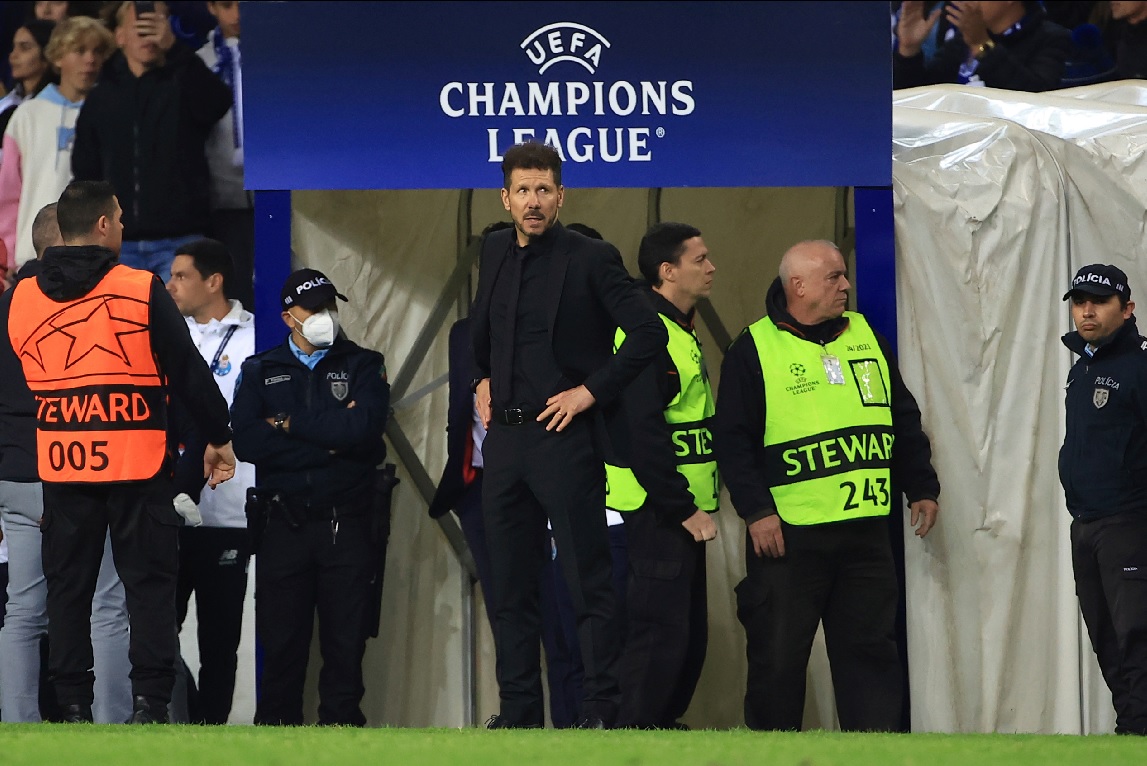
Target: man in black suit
{"points": [[549, 301]]}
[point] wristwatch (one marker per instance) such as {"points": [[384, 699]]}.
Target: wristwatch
{"points": [[281, 420], [983, 48]]}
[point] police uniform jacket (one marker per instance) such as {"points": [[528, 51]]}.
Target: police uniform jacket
{"points": [[330, 451], [739, 423], [1103, 461]]}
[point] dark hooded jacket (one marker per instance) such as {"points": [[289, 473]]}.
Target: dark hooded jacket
{"points": [[146, 135], [68, 273], [739, 425]]}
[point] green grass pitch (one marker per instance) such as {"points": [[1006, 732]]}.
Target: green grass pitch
{"points": [[309, 746]]}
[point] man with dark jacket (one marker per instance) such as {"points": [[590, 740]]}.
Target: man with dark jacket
{"points": [[810, 467], [102, 346], [143, 129], [310, 415], [998, 44], [1103, 469], [547, 305], [668, 491]]}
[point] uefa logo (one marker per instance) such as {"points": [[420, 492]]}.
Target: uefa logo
{"points": [[565, 41]]}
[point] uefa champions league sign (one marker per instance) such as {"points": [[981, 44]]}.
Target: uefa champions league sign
{"points": [[429, 95]]}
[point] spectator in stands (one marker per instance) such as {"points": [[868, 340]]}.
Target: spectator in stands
{"points": [[1129, 38], [31, 71], [1004, 44], [144, 130], [232, 215], [38, 142], [937, 35], [51, 10], [57, 11]]}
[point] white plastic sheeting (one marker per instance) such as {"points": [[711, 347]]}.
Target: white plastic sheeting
{"points": [[999, 197]]}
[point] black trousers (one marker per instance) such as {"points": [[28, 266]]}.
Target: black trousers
{"points": [[213, 566], [668, 618], [532, 474], [1109, 556], [300, 572], [145, 546], [564, 670], [841, 574]]}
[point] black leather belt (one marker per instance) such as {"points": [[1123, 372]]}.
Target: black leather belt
{"points": [[515, 416]]}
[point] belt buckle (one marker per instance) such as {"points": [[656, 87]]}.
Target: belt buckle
{"points": [[515, 417]]}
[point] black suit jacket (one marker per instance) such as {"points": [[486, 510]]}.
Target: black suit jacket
{"points": [[590, 295], [459, 418]]}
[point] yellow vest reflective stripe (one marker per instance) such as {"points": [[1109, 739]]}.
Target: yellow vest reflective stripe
{"points": [[690, 415], [828, 447]]}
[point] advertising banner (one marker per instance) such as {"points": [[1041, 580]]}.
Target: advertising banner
{"points": [[422, 95]]}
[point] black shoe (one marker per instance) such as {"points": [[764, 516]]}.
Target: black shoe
{"points": [[502, 722], [148, 710], [590, 722], [78, 713]]}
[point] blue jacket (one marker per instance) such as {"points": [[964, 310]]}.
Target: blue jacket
{"points": [[331, 450], [1103, 461]]}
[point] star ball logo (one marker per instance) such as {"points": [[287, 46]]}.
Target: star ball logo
{"points": [[88, 326], [580, 112], [797, 369]]}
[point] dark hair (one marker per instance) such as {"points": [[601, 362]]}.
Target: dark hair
{"points": [[531, 156], [41, 31], [82, 205], [45, 230], [585, 231], [663, 243], [210, 257]]}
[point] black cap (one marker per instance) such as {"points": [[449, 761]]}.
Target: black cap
{"points": [[308, 288], [1100, 279]]}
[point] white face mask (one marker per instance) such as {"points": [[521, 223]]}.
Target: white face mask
{"points": [[320, 329]]}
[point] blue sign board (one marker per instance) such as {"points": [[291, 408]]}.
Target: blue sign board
{"points": [[424, 95]]}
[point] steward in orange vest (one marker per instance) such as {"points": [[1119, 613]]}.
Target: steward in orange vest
{"points": [[100, 346], [100, 402]]}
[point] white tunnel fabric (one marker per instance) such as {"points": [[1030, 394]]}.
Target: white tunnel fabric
{"points": [[999, 198]]}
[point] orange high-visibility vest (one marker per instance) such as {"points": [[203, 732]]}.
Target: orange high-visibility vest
{"points": [[101, 409]]}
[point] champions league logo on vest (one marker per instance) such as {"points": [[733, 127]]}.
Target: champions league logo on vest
{"points": [[572, 49]]}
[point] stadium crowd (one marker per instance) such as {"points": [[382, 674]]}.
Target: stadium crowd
{"points": [[587, 448]]}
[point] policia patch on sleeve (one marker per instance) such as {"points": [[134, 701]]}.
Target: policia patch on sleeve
{"points": [[869, 382]]}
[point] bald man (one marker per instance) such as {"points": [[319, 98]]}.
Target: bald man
{"points": [[810, 468]]}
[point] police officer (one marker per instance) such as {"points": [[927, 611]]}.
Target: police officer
{"points": [[1103, 469], [101, 346], [669, 492], [810, 466], [310, 415]]}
